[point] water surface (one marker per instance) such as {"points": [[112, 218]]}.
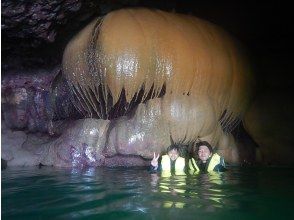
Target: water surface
{"points": [[120, 193]]}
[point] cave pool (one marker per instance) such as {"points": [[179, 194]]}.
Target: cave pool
{"points": [[134, 193]]}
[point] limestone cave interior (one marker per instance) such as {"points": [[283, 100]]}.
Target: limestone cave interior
{"points": [[37, 104]]}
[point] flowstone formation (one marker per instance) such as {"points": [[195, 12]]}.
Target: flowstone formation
{"points": [[143, 79]]}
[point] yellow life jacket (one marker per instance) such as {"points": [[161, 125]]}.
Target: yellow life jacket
{"points": [[214, 161], [193, 168], [179, 166]]}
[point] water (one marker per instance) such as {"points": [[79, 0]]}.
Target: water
{"points": [[104, 193]]}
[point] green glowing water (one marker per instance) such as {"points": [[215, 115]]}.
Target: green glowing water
{"points": [[104, 193]]}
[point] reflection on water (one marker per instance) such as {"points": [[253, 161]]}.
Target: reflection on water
{"points": [[105, 193], [178, 191]]}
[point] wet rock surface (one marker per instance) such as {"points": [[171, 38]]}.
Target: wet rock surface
{"points": [[32, 100], [36, 103], [40, 28]]}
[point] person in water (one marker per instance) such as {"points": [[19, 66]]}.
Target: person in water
{"points": [[169, 162], [207, 160]]}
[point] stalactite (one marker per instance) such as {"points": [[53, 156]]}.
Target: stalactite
{"points": [[131, 55]]}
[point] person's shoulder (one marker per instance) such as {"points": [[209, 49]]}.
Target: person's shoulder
{"points": [[165, 156], [221, 159], [219, 168]]}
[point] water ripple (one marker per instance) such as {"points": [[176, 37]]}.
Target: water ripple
{"points": [[32, 193]]}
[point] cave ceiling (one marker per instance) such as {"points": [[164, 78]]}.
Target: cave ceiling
{"points": [[42, 29]]}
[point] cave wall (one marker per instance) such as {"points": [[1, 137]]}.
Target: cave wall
{"points": [[42, 29]]}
